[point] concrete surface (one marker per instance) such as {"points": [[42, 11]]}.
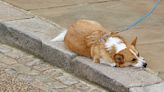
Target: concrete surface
{"points": [[22, 72], [111, 13], [7, 12], [155, 88], [115, 15], [34, 34], [41, 4]]}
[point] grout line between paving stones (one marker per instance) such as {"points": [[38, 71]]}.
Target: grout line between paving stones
{"points": [[147, 85], [52, 7], [98, 2], [148, 43], [19, 19]]}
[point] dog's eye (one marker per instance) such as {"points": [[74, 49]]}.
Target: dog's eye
{"points": [[119, 59], [134, 59]]}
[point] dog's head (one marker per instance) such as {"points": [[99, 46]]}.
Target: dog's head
{"points": [[126, 54]]}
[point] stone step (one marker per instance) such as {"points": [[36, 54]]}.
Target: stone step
{"points": [[34, 35]]}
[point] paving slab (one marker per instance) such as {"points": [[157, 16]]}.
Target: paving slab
{"points": [[108, 16], [8, 12], [155, 88], [34, 35], [39, 4], [115, 15]]}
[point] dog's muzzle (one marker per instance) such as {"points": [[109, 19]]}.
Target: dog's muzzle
{"points": [[141, 62]]}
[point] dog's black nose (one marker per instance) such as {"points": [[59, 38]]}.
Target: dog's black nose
{"points": [[144, 65]]}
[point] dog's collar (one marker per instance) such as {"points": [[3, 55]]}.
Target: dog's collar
{"points": [[104, 38]]}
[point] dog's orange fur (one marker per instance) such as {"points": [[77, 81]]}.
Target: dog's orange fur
{"points": [[87, 38]]}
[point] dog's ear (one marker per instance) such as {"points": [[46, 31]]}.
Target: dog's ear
{"points": [[114, 33], [134, 41], [119, 59]]}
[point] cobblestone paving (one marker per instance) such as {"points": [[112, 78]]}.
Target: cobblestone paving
{"points": [[22, 72]]}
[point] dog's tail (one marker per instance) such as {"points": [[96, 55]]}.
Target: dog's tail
{"points": [[60, 37]]}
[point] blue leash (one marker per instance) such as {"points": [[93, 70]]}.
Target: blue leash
{"points": [[142, 18]]}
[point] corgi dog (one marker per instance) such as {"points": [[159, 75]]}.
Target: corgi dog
{"points": [[89, 38]]}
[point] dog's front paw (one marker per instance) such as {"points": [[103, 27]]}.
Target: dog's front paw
{"points": [[96, 61], [113, 64]]}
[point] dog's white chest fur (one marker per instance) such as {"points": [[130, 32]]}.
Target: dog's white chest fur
{"points": [[116, 42]]}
